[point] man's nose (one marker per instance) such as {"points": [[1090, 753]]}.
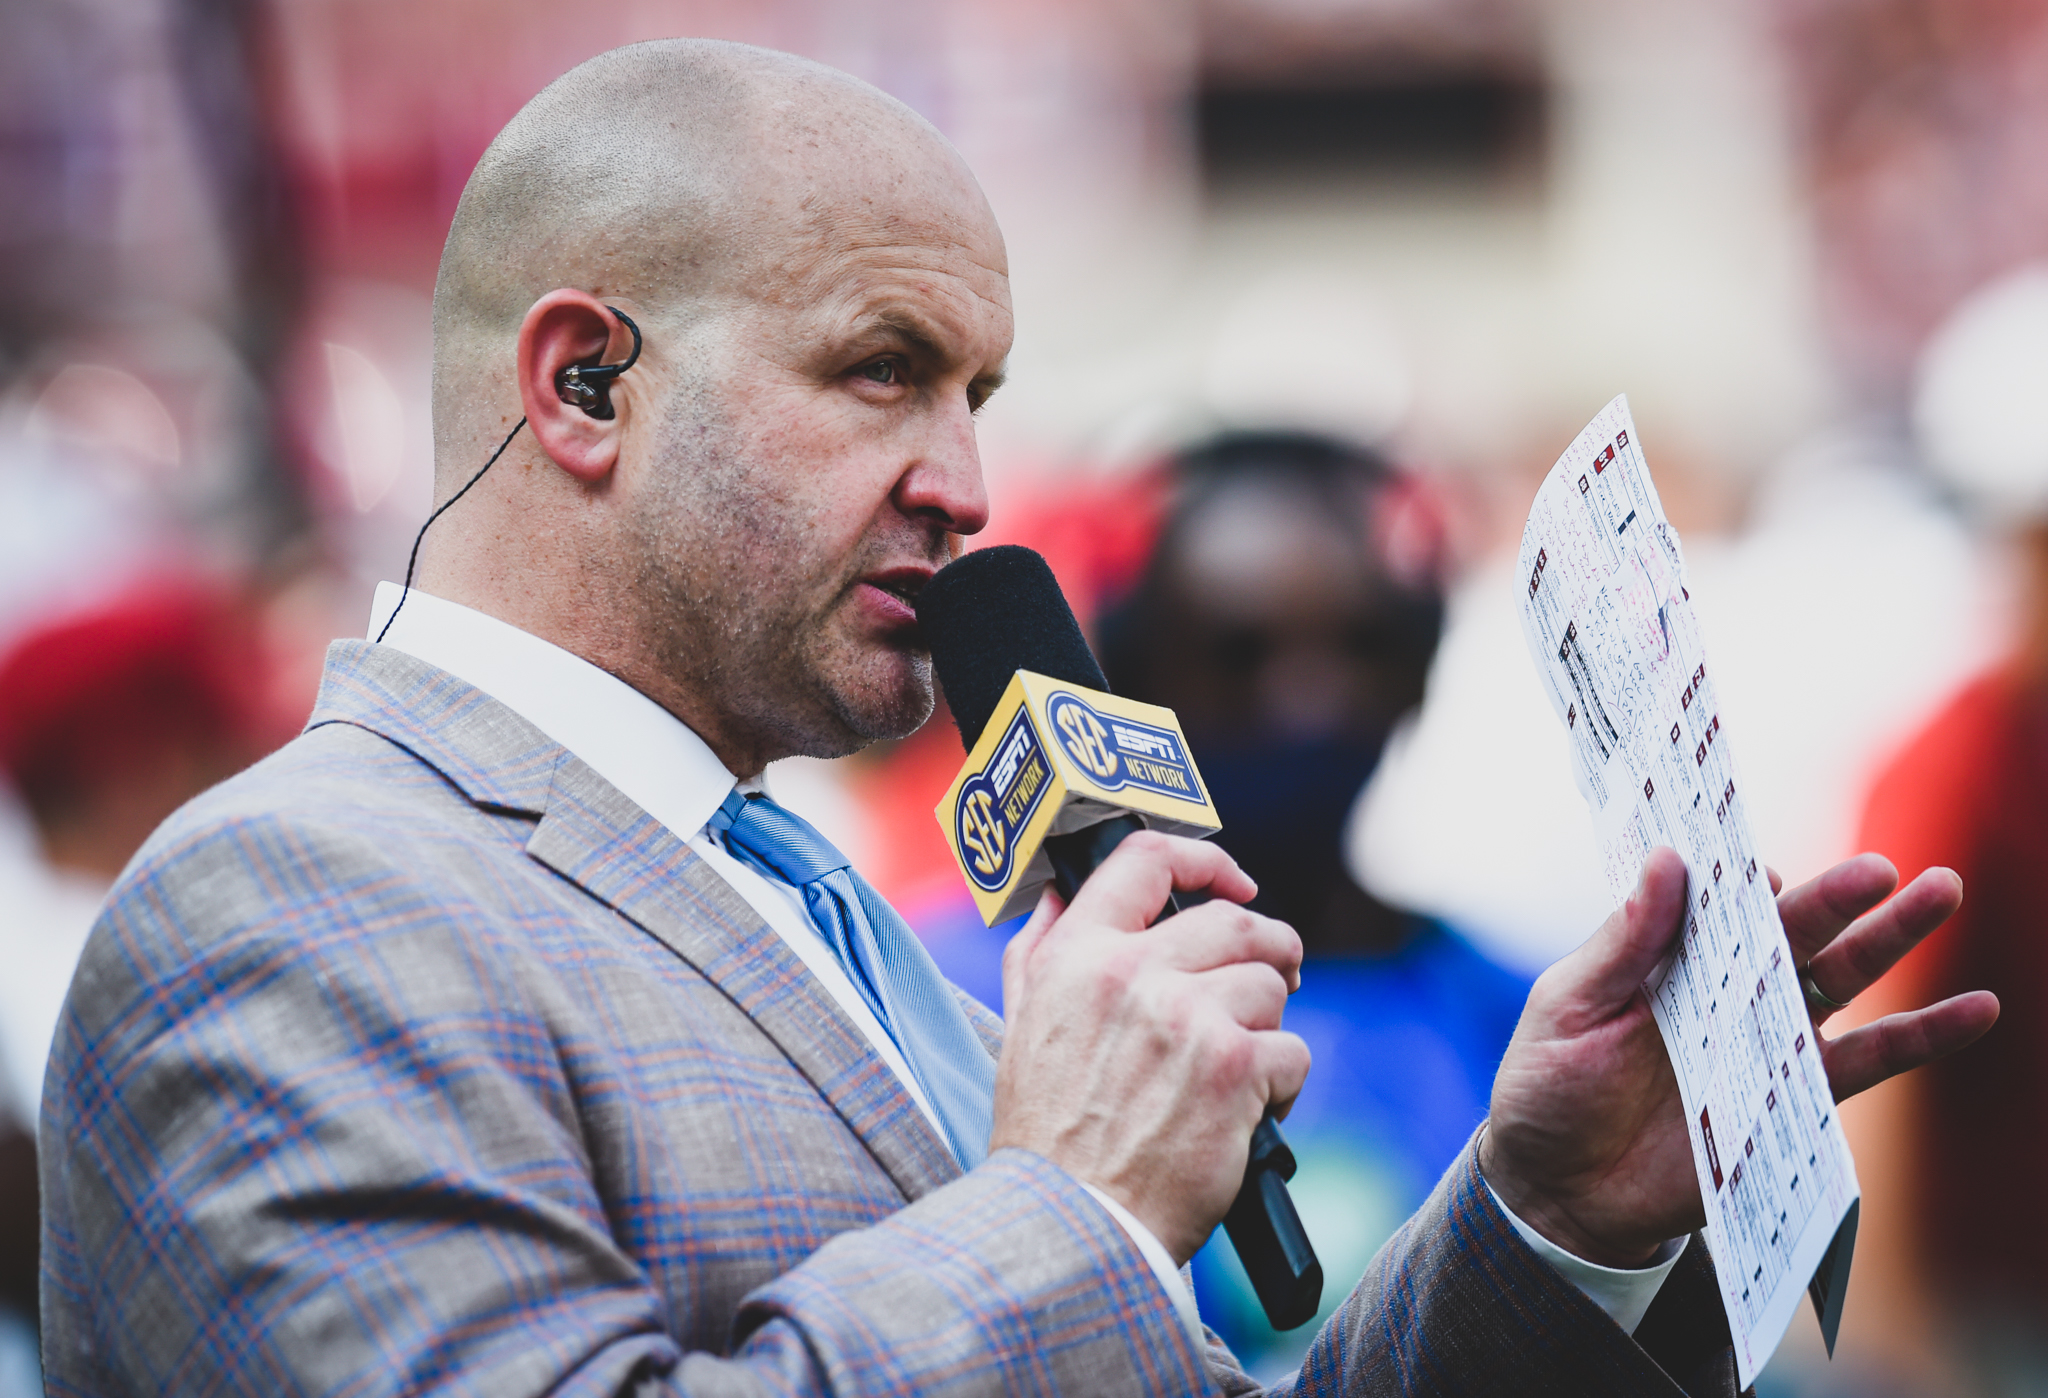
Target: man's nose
{"points": [[942, 481]]}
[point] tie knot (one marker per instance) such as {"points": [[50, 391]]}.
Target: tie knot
{"points": [[777, 837]]}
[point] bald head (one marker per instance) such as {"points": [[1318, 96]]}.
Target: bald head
{"points": [[668, 176]]}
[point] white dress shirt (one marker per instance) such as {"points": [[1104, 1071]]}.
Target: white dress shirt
{"points": [[663, 767], [1625, 1293]]}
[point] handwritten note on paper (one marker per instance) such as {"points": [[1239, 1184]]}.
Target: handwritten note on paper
{"points": [[1610, 623]]}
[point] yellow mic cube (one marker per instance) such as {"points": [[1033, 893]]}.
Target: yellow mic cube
{"points": [[1056, 757]]}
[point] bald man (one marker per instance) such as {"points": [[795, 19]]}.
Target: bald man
{"points": [[503, 1035]]}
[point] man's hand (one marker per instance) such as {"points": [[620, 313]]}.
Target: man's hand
{"points": [[1140, 1060], [1587, 1140]]}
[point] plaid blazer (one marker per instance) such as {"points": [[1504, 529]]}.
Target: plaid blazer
{"points": [[417, 1059]]}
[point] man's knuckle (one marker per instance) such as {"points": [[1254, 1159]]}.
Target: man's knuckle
{"points": [[1226, 1054], [1119, 968], [1282, 937], [1150, 843], [1133, 957]]}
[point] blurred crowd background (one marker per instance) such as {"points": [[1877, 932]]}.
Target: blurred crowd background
{"points": [[1310, 293]]}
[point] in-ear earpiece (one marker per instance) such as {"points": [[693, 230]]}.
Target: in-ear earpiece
{"points": [[589, 387]]}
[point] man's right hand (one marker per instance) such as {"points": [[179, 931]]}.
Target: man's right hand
{"points": [[1139, 1059]]}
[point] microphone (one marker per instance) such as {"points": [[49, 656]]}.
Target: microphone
{"points": [[1059, 772], [1059, 769]]}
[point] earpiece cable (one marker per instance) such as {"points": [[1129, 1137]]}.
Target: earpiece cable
{"points": [[410, 563]]}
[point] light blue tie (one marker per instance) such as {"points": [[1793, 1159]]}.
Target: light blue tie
{"points": [[883, 958]]}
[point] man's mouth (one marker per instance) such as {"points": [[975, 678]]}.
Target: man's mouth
{"points": [[902, 583]]}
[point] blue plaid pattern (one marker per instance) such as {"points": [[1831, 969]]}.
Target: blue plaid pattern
{"points": [[418, 1060], [883, 958]]}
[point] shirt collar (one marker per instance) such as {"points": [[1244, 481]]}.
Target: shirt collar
{"points": [[645, 751]]}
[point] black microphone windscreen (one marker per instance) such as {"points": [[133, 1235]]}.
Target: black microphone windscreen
{"points": [[991, 613]]}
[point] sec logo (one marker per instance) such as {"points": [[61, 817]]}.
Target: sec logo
{"points": [[1085, 739], [983, 837]]}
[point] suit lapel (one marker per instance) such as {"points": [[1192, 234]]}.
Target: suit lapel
{"points": [[596, 838]]}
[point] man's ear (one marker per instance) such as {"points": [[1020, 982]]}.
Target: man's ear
{"points": [[562, 330]]}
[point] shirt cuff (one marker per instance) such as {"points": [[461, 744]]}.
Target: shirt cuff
{"points": [[1625, 1293], [1161, 1262]]}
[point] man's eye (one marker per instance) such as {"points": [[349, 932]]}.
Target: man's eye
{"points": [[880, 371]]}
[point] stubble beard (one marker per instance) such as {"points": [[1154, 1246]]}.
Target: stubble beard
{"points": [[736, 612]]}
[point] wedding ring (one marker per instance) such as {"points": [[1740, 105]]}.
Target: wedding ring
{"points": [[1815, 996]]}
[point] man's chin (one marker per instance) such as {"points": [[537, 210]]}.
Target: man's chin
{"points": [[878, 718], [884, 696]]}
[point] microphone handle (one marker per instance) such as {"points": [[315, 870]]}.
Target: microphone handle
{"points": [[1262, 1223]]}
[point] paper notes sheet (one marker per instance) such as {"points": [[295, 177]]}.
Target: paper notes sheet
{"points": [[1610, 623]]}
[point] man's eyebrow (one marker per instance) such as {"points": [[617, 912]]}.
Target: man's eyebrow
{"points": [[991, 381], [913, 330]]}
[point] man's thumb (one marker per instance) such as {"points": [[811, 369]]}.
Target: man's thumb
{"points": [[1628, 946]]}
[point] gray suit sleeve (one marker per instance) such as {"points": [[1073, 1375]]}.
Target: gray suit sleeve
{"points": [[1457, 1303]]}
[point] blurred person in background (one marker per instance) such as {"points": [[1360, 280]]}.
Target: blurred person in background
{"points": [[1970, 791], [1288, 616], [110, 719]]}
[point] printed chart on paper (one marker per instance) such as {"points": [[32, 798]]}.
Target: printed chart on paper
{"points": [[1610, 623]]}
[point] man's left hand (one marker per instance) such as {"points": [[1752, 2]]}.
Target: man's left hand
{"points": [[1587, 1140]]}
